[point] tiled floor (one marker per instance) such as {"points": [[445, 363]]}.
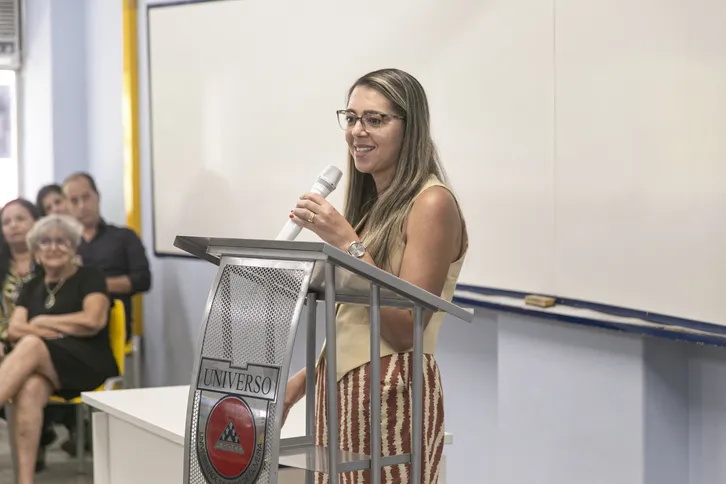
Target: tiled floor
{"points": [[60, 467]]}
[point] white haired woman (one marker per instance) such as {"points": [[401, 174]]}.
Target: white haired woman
{"points": [[58, 327]]}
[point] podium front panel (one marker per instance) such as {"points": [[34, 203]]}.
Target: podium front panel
{"points": [[241, 372]]}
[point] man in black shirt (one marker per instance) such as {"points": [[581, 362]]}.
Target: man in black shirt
{"points": [[116, 251]]}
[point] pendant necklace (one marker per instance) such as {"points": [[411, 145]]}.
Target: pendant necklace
{"points": [[50, 300]]}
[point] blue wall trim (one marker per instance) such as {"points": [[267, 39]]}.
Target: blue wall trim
{"points": [[664, 320]]}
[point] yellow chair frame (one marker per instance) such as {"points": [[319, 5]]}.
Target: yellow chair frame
{"points": [[117, 337]]}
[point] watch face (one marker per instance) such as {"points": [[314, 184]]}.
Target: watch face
{"points": [[357, 249]]}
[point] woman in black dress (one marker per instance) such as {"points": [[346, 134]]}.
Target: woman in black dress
{"points": [[59, 329]]}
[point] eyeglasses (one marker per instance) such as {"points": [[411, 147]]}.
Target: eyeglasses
{"points": [[370, 120], [46, 242]]}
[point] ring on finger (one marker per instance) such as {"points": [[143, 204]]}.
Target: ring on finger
{"points": [[311, 218]]}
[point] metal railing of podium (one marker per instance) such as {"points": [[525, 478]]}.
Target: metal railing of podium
{"points": [[276, 279]]}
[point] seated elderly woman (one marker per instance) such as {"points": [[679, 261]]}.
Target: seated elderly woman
{"points": [[59, 329]]}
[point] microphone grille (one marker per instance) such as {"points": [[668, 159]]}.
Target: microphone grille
{"points": [[332, 175]]}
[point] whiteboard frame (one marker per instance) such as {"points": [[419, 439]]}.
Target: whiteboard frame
{"points": [[145, 112]]}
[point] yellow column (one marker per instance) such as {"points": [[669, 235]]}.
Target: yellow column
{"points": [[132, 189]]}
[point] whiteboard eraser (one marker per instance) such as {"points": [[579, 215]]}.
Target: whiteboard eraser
{"points": [[539, 301]]}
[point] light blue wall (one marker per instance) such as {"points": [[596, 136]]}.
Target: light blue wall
{"points": [[70, 89], [53, 121], [104, 82], [35, 89], [70, 125]]}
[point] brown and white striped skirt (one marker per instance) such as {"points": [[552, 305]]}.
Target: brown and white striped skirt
{"points": [[396, 407]]}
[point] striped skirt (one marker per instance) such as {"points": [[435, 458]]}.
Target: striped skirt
{"points": [[396, 408]]}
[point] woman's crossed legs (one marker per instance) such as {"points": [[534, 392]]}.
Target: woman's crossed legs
{"points": [[28, 377]]}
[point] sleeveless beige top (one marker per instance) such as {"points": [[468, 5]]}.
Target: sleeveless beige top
{"points": [[353, 321]]}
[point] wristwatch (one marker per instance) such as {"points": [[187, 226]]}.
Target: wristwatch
{"points": [[357, 249]]}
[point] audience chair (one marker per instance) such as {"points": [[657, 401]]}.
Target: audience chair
{"points": [[133, 345]]}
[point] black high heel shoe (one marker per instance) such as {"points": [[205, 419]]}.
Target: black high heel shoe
{"points": [[40, 460], [47, 437]]}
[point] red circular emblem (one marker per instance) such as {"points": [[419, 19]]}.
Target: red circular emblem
{"points": [[230, 437]]}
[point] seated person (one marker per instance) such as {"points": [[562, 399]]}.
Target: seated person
{"points": [[17, 268], [16, 265], [59, 329], [50, 200], [117, 251]]}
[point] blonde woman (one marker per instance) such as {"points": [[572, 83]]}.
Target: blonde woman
{"points": [[58, 327], [400, 216]]}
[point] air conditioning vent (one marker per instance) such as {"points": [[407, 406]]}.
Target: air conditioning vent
{"points": [[10, 57]]}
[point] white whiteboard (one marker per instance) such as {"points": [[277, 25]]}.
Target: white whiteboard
{"points": [[640, 184], [527, 117]]}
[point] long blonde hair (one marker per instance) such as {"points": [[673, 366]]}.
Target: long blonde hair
{"points": [[418, 160]]}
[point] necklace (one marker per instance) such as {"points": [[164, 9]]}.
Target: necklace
{"points": [[50, 300], [20, 268]]}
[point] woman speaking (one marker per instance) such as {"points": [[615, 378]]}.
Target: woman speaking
{"points": [[401, 217]]}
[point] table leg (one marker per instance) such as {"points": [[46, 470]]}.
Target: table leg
{"points": [[101, 449]]}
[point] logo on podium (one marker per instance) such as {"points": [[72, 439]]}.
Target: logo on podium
{"points": [[232, 419]]}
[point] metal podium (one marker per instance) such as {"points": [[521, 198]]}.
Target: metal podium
{"points": [[243, 359]]}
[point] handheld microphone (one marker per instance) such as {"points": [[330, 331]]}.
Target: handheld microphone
{"points": [[327, 182]]}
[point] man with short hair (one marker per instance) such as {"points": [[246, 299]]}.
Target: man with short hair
{"points": [[116, 251]]}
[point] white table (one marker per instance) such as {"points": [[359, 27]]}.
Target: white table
{"points": [[138, 436]]}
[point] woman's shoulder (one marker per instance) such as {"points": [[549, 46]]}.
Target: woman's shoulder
{"points": [[435, 191], [435, 183], [436, 198], [436, 210], [29, 290], [35, 281]]}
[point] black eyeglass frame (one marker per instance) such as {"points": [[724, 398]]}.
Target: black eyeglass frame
{"points": [[360, 118]]}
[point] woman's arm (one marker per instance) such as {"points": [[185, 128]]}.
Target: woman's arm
{"points": [[19, 327], [87, 322], [295, 391], [433, 242]]}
